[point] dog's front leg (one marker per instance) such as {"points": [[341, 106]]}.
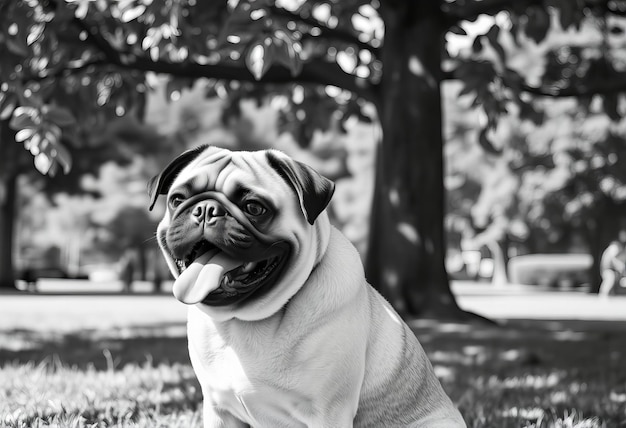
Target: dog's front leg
{"points": [[215, 418]]}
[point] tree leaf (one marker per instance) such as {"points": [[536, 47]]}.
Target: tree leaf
{"points": [[492, 36], [242, 25], [24, 134], [8, 106], [23, 117], [133, 13], [610, 103], [455, 29], [153, 37], [34, 34], [288, 51], [528, 111], [63, 157], [16, 48], [43, 163], [486, 143], [82, 9], [477, 46], [259, 59], [60, 116], [468, 88], [538, 23], [569, 12], [154, 53]]}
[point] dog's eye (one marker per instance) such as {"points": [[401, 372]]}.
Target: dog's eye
{"points": [[254, 208], [176, 200]]}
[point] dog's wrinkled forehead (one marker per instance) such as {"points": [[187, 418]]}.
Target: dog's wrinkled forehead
{"points": [[211, 168], [225, 171]]}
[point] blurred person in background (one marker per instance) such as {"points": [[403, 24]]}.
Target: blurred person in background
{"points": [[613, 266], [127, 269]]}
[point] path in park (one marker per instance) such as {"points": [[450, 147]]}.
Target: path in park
{"points": [[533, 303], [65, 306]]}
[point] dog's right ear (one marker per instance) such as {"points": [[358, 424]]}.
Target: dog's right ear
{"points": [[313, 189], [160, 184]]}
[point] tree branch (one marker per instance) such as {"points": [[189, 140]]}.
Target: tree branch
{"points": [[472, 9], [325, 31], [582, 90], [65, 71], [318, 71], [111, 54]]}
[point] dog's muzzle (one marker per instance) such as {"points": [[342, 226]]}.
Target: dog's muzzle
{"points": [[211, 205], [228, 260]]}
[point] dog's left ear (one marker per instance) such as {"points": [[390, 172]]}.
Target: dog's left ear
{"points": [[313, 189], [160, 184]]}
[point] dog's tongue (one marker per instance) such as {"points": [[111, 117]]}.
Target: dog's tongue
{"points": [[202, 276]]}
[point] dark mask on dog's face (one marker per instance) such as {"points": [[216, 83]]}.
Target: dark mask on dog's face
{"points": [[235, 221]]}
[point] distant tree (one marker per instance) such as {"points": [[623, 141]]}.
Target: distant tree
{"points": [[119, 141], [52, 111], [132, 229], [579, 178], [385, 60], [554, 186], [483, 193]]}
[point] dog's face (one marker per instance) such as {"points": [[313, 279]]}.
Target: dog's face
{"points": [[242, 230]]}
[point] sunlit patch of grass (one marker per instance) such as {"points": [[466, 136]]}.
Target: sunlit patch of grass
{"points": [[51, 394], [571, 419]]}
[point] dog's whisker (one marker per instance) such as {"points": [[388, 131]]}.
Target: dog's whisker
{"points": [[150, 239]]}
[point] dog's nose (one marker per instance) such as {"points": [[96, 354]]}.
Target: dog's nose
{"points": [[207, 211]]}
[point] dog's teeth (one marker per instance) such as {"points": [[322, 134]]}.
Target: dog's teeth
{"points": [[227, 283], [249, 267]]}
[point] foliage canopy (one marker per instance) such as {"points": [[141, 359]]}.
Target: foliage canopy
{"points": [[69, 64]]}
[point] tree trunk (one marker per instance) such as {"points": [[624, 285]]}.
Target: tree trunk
{"points": [[406, 250], [8, 198]]}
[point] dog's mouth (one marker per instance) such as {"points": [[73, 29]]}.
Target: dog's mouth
{"points": [[209, 276], [197, 250]]}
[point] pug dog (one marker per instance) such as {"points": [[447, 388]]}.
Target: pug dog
{"points": [[283, 328]]}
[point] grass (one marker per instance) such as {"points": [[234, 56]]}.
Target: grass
{"points": [[524, 374], [533, 374], [51, 394]]}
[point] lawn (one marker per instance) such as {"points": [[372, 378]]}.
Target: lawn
{"points": [[522, 374]]}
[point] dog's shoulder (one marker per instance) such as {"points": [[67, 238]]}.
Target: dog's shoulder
{"points": [[340, 268]]}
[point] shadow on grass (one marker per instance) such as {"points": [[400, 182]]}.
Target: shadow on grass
{"points": [[596, 346], [526, 370], [100, 349]]}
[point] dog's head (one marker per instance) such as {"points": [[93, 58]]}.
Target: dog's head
{"points": [[242, 231]]}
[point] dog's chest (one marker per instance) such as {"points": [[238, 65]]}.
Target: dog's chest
{"points": [[234, 348], [243, 372]]}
